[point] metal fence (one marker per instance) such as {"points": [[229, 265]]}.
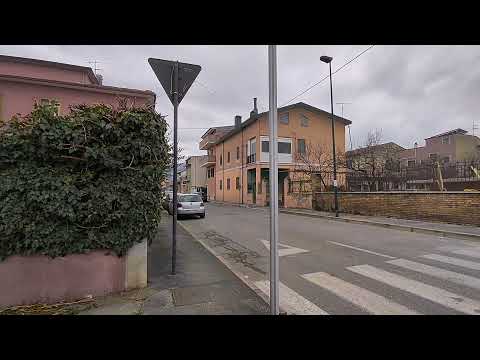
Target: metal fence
{"points": [[406, 178]]}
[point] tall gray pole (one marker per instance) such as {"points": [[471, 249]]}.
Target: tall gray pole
{"points": [[272, 119], [335, 185], [175, 165]]}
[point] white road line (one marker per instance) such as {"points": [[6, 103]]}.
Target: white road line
{"points": [[475, 252], [452, 276], [454, 261], [288, 250], [365, 299], [434, 294], [364, 250], [290, 301]]}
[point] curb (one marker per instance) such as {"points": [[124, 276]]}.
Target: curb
{"points": [[248, 283], [444, 233]]}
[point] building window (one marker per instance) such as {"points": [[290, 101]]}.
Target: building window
{"points": [[446, 140], [265, 146], [432, 157], [237, 183], [301, 146], [411, 163], [221, 160], [304, 121], [221, 184], [251, 180], [284, 118], [228, 184], [284, 148], [228, 157], [238, 152]]}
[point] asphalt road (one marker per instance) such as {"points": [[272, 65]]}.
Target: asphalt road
{"points": [[330, 267]]}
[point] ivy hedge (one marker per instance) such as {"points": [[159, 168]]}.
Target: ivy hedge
{"points": [[85, 181]]}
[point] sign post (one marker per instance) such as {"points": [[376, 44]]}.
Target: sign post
{"points": [[176, 78], [272, 119]]}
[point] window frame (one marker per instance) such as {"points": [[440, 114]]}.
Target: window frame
{"points": [[221, 185], [282, 117], [304, 120], [299, 141], [237, 183], [228, 183]]}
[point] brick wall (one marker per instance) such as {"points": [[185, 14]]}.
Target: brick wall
{"points": [[451, 207]]}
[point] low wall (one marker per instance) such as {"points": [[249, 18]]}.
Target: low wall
{"points": [[40, 279], [450, 207]]}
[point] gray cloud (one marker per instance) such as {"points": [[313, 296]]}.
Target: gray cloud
{"points": [[410, 92]]}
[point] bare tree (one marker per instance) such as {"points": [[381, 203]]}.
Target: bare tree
{"points": [[314, 167], [375, 164]]}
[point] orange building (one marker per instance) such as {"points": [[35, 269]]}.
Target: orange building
{"points": [[238, 155]]}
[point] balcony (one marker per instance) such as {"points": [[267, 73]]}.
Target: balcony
{"points": [[251, 158], [210, 161], [207, 142]]}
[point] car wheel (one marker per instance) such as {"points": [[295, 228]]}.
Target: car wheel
{"points": [[202, 216]]}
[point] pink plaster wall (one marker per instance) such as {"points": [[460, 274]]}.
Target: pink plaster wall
{"points": [[18, 97], [44, 72], [40, 279]]}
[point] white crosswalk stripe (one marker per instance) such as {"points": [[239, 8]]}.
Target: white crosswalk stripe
{"points": [[452, 276], [453, 261], [434, 294], [290, 301], [365, 299], [475, 252]]}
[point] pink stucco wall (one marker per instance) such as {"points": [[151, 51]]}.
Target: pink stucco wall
{"points": [[39, 279], [19, 97], [44, 72]]}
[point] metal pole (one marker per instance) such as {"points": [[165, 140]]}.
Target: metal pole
{"points": [[175, 165], [335, 188], [272, 118]]}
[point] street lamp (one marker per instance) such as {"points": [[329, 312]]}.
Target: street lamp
{"points": [[328, 60]]}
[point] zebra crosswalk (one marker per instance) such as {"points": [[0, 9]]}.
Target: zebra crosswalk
{"points": [[376, 302]]}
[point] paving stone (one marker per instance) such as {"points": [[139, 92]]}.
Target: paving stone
{"points": [[115, 309]]}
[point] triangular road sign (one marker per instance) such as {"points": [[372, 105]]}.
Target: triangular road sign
{"points": [[164, 70]]}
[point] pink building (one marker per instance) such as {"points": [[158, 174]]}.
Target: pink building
{"points": [[26, 81]]}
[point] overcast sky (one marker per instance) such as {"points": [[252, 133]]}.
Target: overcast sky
{"points": [[409, 92]]}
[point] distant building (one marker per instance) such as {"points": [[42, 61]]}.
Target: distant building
{"points": [[25, 81], [451, 146], [196, 174]]}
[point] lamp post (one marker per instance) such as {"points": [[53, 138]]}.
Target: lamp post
{"points": [[328, 60]]}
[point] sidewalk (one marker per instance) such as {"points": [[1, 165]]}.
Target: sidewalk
{"points": [[440, 229], [202, 285]]}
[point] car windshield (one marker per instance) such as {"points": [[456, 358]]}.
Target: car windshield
{"points": [[189, 198]]}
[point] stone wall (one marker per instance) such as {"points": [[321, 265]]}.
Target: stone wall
{"points": [[450, 207]]}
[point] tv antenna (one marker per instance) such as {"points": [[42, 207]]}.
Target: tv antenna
{"points": [[95, 69], [349, 132]]}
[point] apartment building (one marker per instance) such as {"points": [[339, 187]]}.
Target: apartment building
{"points": [[238, 156], [24, 82], [451, 146], [196, 174]]}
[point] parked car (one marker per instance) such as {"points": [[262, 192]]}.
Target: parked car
{"points": [[188, 204]]}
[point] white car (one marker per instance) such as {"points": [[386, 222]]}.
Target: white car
{"points": [[188, 204]]}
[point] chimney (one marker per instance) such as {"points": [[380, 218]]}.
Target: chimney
{"points": [[238, 121], [100, 79], [255, 109], [415, 149]]}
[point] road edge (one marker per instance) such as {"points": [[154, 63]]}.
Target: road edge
{"points": [[248, 283], [444, 233]]}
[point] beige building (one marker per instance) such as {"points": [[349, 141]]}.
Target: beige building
{"points": [[450, 146], [237, 163], [195, 173]]}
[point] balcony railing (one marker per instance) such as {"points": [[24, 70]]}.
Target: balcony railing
{"points": [[210, 160], [251, 158]]}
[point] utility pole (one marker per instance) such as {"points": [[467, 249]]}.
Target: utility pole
{"points": [[272, 119], [349, 133]]}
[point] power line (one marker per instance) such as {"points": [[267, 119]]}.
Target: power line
{"points": [[327, 76], [205, 86]]}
